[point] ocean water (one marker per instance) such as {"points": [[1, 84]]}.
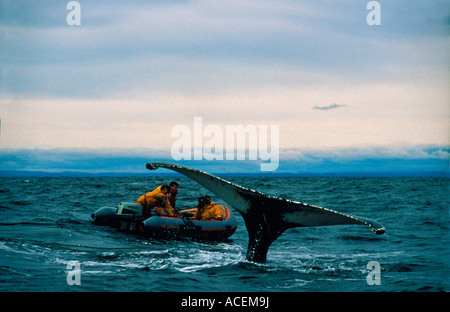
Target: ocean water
{"points": [[45, 228]]}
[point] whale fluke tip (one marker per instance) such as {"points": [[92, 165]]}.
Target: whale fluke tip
{"points": [[151, 166]]}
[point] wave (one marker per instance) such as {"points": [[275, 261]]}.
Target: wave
{"points": [[42, 232]]}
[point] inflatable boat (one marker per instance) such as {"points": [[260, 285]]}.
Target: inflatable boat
{"points": [[128, 217]]}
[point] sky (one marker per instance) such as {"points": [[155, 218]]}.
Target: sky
{"points": [[133, 70]]}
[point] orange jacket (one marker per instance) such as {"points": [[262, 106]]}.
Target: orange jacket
{"points": [[209, 212], [153, 199]]}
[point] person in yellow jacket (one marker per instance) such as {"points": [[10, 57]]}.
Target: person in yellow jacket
{"points": [[158, 198], [207, 210]]}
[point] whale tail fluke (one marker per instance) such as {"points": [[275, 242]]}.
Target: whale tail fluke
{"points": [[266, 217]]}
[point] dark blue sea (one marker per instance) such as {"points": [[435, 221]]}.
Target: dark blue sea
{"points": [[45, 226]]}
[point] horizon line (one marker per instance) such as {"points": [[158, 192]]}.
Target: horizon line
{"points": [[356, 174]]}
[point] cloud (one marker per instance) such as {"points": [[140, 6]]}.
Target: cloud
{"points": [[398, 151], [331, 106], [133, 70], [368, 161], [200, 46]]}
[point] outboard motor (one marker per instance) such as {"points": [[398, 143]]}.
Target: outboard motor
{"points": [[128, 215], [129, 209], [125, 216]]}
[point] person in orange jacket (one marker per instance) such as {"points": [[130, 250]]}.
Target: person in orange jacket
{"points": [[207, 210], [159, 199]]}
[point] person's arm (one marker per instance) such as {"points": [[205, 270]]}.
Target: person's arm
{"points": [[167, 207]]}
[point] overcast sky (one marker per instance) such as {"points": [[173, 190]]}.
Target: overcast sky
{"points": [[134, 69]]}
